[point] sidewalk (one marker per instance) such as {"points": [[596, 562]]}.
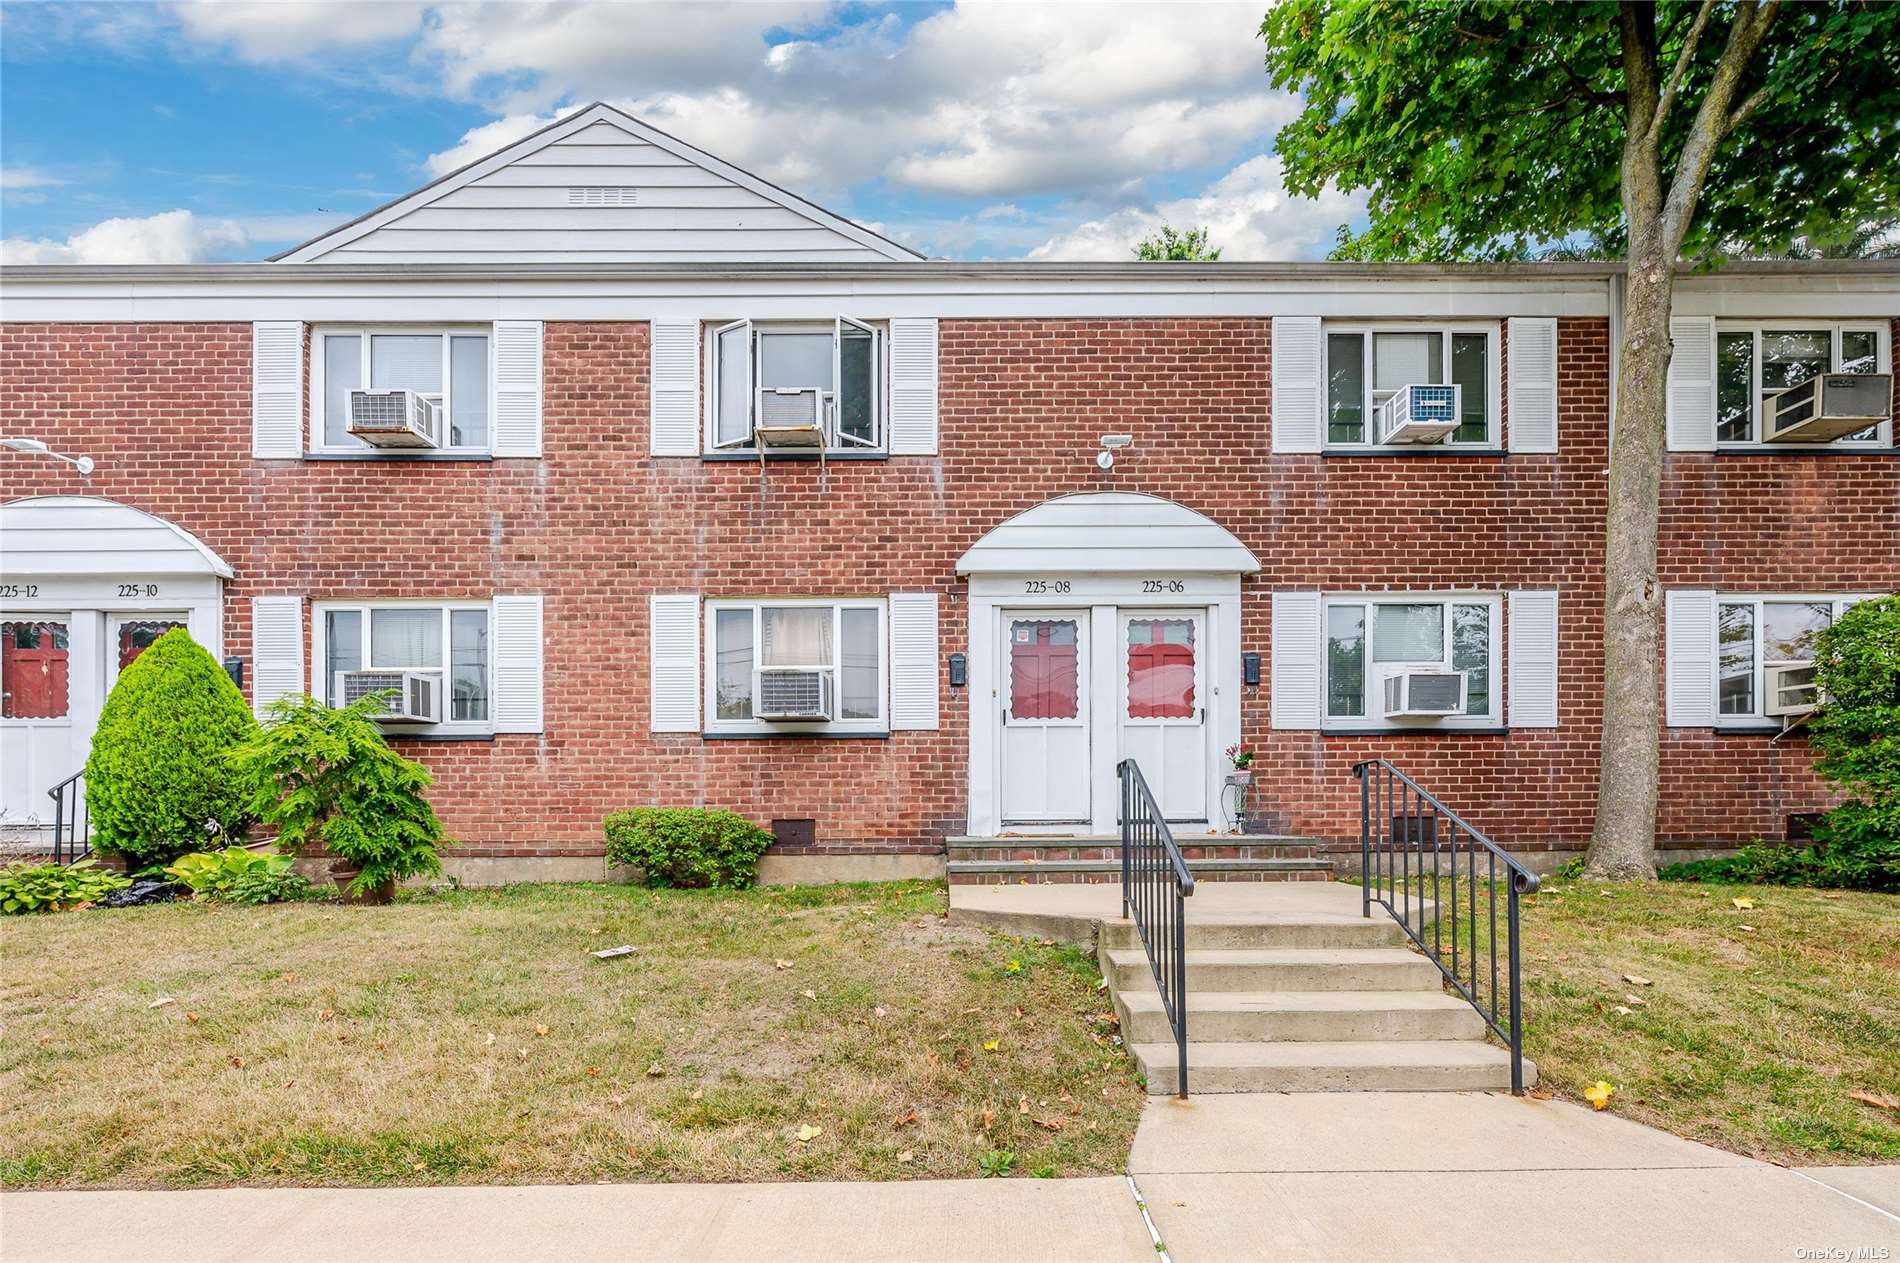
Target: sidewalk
{"points": [[1452, 1176]]}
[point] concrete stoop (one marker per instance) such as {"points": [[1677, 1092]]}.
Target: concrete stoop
{"points": [[1090, 858]]}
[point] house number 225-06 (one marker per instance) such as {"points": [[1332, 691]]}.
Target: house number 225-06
{"points": [[1163, 585], [138, 589], [1043, 587]]}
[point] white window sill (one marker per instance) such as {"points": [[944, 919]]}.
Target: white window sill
{"points": [[793, 734], [753, 455], [1749, 728], [1483, 728], [401, 456], [1417, 449], [433, 732], [1807, 449]]}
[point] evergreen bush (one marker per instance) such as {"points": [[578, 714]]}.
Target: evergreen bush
{"points": [[157, 784], [1856, 733], [690, 847]]}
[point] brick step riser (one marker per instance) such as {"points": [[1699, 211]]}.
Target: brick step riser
{"points": [[1113, 855], [1418, 975], [1307, 1028], [1204, 1080], [1373, 933], [1029, 877]]}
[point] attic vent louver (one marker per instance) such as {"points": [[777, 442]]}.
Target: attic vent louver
{"points": [[601, 195]]}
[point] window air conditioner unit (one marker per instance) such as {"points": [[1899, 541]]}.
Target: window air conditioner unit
{"points": [[418, 698], [794, 693], [1424, 691], [1791, 689], [1822, 409], [1419, 414], [790, 417], [395, 418]]}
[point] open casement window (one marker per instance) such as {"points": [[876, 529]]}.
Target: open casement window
{"points": [[1764, 655], [796, 665], [1369, 639], [1755, 362], [784, 377], [449, 367], [1366, 365], [375, 646]]}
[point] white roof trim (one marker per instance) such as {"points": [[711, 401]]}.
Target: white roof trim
{"points": [[598, 112], [1108, 532], [144, 543]]}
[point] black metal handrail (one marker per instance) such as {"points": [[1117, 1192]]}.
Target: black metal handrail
{"points": [[1155, 882], [72, 839], [1407, 838]]}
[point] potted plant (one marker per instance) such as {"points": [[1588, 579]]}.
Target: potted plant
{"points": [[1241, 756], [325, 777]]}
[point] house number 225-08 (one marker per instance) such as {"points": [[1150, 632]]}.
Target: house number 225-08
{"points": [[1043, 587], [138, 589]]}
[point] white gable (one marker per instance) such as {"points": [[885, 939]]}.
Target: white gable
{"points": [[1108, 532], [83, 535], [599, 187]]}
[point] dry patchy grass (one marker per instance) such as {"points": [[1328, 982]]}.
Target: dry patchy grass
{"points": [[1759, 1022], [470, 1038]]}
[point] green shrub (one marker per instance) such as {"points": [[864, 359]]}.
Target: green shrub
{"points": [[689, 847], [55, 887], [1856, 734], [236, 875], [326, 778], [1757, 864], [157, 785]]}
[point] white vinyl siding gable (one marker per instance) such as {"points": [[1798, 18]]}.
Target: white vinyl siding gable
{"points": [[1532, 347], [277, 389]]}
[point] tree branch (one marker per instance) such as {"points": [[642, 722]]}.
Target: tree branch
{"points": [[1713, 120], [1746, 108], [1683, 58]]}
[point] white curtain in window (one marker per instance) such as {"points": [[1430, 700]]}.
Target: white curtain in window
{"points": [[406, 361], [796, 636], [405, 638], [1406, 359], [1408, 633], [795, 360]]}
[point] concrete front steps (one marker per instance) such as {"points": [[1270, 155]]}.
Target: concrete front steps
{"points": [[1097, 858]]}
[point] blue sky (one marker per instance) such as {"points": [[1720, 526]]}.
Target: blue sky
{"points": [[213, 131]]}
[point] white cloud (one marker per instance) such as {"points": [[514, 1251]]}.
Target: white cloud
{"points": [[15, 178], [288, 30], [479, 142], [1247, 212], [175, 236]]}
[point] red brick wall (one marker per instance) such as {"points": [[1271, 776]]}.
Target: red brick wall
{"points": [[598, 526]]}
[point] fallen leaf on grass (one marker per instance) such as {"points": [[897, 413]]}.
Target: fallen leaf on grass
{"points": [[1541, 1094], [1636, 1000], [905, 1155], [809, 994], [697, 1093], [1014, 967], [540, 1028], [1599, 1094], [989, 1119], [323, 1016], [654, 1071], [1876, 1100], [593, 1071], [1022, 1105], [191, 1017], [781, 964], [991, 1045], [1621, 1010], [490, 1040], [1051, 1124], [1637, 980], [807, 1133], [238, 1062], [1742, 901], [1749, 928], [906, 1119], [161, 1002], [878, 1011]]}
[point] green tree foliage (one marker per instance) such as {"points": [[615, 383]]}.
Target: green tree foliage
{"points": [[326, 777], [1856, 733], [156, 784], [1169, 246], [689, 847]]}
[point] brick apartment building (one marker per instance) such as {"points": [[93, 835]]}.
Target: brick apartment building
{"points": [[711, 497]]}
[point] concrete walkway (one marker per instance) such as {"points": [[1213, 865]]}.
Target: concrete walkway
{"points": [[1429, 1176]]}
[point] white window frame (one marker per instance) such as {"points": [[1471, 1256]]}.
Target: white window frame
{"points": [[1756, 718], [1374, 718], [880, 386], [1491, 329], [364, 333], [710, 665], [319, 660], [1883, 355]]}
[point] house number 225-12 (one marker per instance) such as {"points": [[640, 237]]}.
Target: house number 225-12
{"points": [[138, 589]]}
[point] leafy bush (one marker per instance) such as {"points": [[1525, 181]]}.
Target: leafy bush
{"points": [[55, 887], [157, 785], [325, 777], [1758, 864], [689, 847], [236, 875], [1856, 733]]}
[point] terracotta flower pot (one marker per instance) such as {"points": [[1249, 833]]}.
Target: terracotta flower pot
{"points": [[343, 874]]}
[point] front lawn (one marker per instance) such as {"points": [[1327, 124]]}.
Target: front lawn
{"points": [[471, 1038], [1756, 1027]]}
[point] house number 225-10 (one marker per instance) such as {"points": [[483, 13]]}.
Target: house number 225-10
{"points": [[138, 589]]}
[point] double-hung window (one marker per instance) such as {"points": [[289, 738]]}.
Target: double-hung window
{"points": [[1755, 361], [1764, 653], [449, 367], [785, 665], [787, 377], [1371, 637], [1366, 365], [371, 646]]}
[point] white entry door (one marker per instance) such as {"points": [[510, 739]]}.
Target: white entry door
{"points": [[1164, 706], [37, 750], [1045, 705]]}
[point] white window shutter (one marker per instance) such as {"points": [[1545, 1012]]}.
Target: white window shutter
{"points": [[914, 387], [1689, 658], [674, 662], [1532, 658], [276, 649], [517, 366], [675, 401], [1299, 396], [1296, 659], [914, 660], [277, 389], [516, 664], [1533, 372], [1691, 406]]}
